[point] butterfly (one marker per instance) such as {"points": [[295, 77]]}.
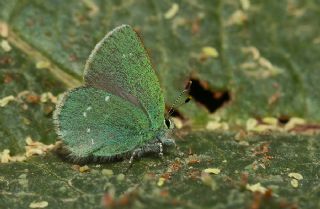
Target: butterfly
{"points": [[120, 109]]}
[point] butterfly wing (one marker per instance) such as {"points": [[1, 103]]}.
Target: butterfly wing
{"points": [[94, 122], [120, 65]]}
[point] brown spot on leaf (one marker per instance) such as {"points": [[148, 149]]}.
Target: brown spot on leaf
{"points": [[5, 60], [7, 78], [195, 27], [274, 98], [32, 98]]}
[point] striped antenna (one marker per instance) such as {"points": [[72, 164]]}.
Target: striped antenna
{"points": [[171, 110]]}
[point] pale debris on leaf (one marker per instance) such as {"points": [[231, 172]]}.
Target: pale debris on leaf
{"points": [[4, 29], [237, 18], [5, 46], [6, 158], [212, 170], [42, 204], [107, 172], [245, 4], [161, 181], [253, 50], [4, 101], [177, 122], [294, 183], [214, 125], [297, 176], [293, 122], [208, 180], [270, 121], [17, 158], [84, 168], [45, 97], [256, 188], [209, 51], [172, 11], [42, 64], [120, 177], [94, 8], [38, 148], [251, 124]]}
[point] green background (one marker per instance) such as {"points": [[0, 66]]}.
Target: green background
{"points": [[63, 33]]}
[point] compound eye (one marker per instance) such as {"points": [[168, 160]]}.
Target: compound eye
{"points": [[168, 123]]}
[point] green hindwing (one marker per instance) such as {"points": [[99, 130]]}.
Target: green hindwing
{"points": [[120, 65], [93, 122]]}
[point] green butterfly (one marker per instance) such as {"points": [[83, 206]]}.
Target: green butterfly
{"points": [[119, 111]]}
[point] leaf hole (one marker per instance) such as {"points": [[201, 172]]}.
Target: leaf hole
{"points": [[212, 100]]}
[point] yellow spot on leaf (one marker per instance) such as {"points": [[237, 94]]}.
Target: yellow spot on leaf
{"points": [[42, 64], [208, 180], [237, 18], [270, 120], [42, 204], [4, 29], [297, 176], [209, 51], [45, 97], [245, 4], [293, 122], [120, 177], [161, 181], [38, 148], [251, 123], [84, 169], [172, 11], [212, 170], [107, 172], [5, 46], [4, 101], [6, 158], [256, 188], [214, 125], [294, 183], [177, 122], [94, 9]]}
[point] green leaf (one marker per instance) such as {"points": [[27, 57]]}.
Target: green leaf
{"points": [[263, 54], [264, 159]]}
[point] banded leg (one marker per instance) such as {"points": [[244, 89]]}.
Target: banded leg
{"points": [[160, 149], [137, 152]]}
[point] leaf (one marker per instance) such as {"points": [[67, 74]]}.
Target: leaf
{"points": [[49, 178], [265, 69], [262, 60]]}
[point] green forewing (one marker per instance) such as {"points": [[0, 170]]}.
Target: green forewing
{"points": [[93, 121], [120, 65]]}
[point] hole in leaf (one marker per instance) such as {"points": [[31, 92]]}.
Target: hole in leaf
{"points": [[212, 100], [283, 119]]}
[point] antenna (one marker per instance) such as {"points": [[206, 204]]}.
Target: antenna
{"points": [[186, 89]]}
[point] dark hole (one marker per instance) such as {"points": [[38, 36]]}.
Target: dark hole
{"points": [[283, 119], [212, 100]]}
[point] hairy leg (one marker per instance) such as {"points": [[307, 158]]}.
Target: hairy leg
{"points": [[155, 147]]}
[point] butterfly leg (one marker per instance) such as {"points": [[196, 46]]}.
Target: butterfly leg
{"points": [[136, 153], [160, 149], [168, 142]]}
